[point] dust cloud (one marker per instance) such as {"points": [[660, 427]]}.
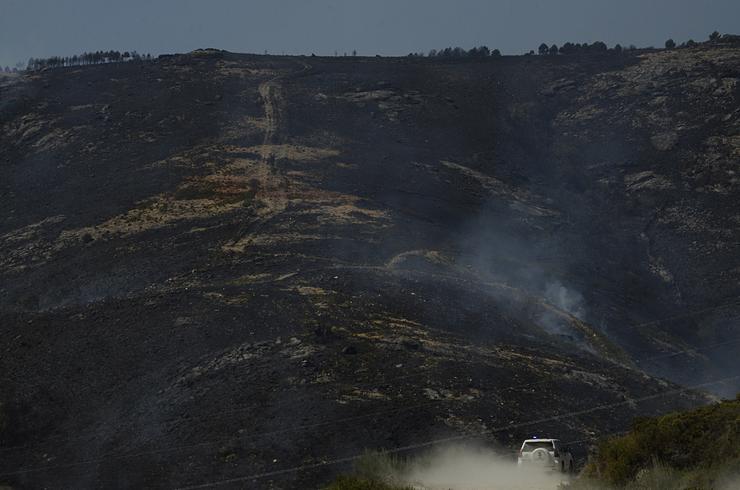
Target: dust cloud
{"points": [[730, 483], [475, 468]]}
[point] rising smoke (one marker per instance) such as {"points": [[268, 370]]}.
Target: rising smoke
{"points": [[536, 267]]}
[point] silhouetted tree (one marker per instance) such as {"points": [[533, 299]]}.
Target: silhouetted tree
{"points": [[690, 43], [111, 56], [714, 36], [543, 49], [617, 48], [496, 53], [670, 44], [554, 49], [599, 47], [568, 48], [480, 52]]}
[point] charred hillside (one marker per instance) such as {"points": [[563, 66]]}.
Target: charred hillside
{"points": [[217, 265]]}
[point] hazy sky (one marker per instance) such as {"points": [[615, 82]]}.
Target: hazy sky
{"points": [[42, 28]]}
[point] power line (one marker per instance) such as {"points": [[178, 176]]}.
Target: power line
{"points": [[452, 438], [220, 414], [341, 420], [117, 457], [114, 457], [688, 351], [306, 426]]}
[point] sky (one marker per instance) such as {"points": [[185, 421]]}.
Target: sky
{"points": [[42, 28]]}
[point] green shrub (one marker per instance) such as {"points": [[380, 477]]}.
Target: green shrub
{"points": [[699, 445], [380, 466], [359, 483], [373, 471]]}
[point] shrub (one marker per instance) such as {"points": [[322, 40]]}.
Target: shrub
{"points": [[670, 44], [380, 466], [359, 483], [373, 471], [698, 443]]}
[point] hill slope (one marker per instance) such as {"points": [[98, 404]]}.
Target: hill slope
{"points": [[218, 265]]}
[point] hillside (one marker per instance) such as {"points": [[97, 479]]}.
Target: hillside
{"points": [[216, 265]]}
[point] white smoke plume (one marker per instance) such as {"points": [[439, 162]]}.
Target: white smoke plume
{"points": [[565, 299]]}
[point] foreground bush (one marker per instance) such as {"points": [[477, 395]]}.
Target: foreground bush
{"points": [[694, 449], [360, 483], [373, 471]]}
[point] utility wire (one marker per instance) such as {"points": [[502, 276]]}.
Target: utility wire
{"points": [[435, 442], [370, 414], [337, 421], [166, 449]]}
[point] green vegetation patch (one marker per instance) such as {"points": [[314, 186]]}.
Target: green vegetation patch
{"points": [[373, 471], [696, 447], [360, 483]]}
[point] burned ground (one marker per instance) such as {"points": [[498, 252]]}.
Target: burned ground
{"points": [[218, 265]]}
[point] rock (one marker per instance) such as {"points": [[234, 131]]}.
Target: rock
{"points": [[432, 394], [411, 344], [647, 180], [664, 141]]}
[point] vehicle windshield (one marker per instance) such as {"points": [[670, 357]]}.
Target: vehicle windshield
{"points": [[531, 446]]}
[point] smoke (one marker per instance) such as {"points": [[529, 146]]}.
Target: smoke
{"points": [[730, 483], [475, 467], [565, 299], [537, 267], [467, 467]]}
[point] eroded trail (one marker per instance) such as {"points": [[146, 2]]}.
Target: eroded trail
{"points": [[275, 195], [273, 192], [268, 92]]}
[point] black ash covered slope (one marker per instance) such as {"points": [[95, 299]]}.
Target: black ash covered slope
{"points": [[217, 265]]}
